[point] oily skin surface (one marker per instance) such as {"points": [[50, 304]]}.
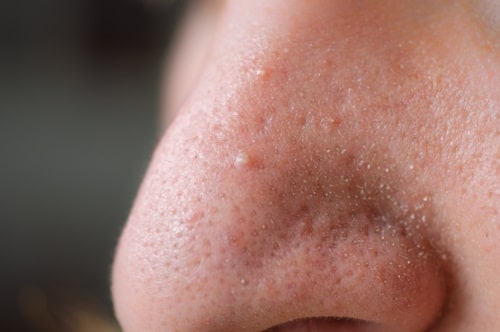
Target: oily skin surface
{"points": [[331, 159]]}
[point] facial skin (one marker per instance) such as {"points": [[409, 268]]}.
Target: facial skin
{"points": [[328, 159]]}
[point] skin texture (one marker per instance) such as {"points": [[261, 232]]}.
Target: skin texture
{"points": [[327, 159]]}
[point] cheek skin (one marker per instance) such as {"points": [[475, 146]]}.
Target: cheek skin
{"points": [[333, 179]]}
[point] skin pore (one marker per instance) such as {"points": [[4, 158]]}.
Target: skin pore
{"points": [[327, 158]]}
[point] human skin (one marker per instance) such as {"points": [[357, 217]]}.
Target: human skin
{"points": [[329, 159]]}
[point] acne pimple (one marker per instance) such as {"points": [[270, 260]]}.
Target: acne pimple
{"points": [[260, 72], [241, 159]]}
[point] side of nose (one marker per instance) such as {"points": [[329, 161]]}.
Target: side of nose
{"points": [[262, 206]]}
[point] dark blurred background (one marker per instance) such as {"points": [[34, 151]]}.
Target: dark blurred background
{"points": [[79, 95]]}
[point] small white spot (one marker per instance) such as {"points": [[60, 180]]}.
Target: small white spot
{"points": [[241, 159], [260, 72]]}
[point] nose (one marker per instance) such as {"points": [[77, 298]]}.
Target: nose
{"points": [[272, 202]]}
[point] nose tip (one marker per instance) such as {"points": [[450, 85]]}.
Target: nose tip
{"points": [[235, 238]]}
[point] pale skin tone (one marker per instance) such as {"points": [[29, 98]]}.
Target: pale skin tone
{"points": [[327, 159]]}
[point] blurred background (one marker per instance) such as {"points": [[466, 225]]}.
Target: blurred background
{"points": [[79, 95]]}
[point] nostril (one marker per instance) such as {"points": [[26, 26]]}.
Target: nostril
{"points": [[327, 324]]}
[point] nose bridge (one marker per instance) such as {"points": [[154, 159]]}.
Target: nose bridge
{"points": [[256, 77], [260, 39], [292, 62]]}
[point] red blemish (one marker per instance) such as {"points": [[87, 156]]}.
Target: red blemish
{"points": [[271, 288], [330, 123], [236, 237], [195, 218]]}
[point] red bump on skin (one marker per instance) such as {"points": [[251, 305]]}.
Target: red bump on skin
{"points": [[195, 218]]}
